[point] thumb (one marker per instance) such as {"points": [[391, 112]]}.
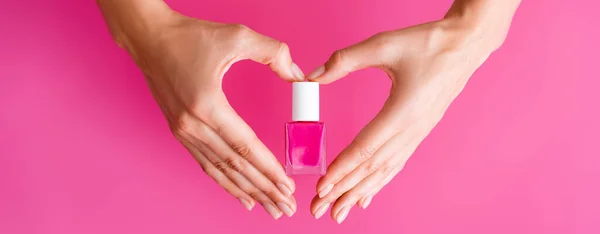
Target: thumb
{"points": [[276, 54], [368, 53]]}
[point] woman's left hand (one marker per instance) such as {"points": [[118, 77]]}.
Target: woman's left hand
{"points": [[429, 65]]}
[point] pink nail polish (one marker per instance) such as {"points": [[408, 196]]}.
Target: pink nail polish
{"points": [[305, 135]]}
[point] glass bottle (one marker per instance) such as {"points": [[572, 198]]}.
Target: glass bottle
{"points": [[305, 135]]}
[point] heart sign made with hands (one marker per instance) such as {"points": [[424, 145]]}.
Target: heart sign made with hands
{"points": [[184, 61]]}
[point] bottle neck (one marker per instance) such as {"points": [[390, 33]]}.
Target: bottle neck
{"points": [[306, 118], [306, 121]]}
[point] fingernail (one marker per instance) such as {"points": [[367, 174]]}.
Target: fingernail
{"points": [[297, 72], [285, 208], [342, 214], [316, 73], [246, 204], [284, 189], [321, 210], [366, 201], [325, 190], [272, 211], [293, 188]]}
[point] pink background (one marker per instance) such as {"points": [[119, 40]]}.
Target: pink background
{"points": [[84, 148]]}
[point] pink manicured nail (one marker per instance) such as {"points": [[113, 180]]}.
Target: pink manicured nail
{"points": [[366, 201], [342, 214], [246, 204], [284, 189], [321, 210], [272, 211], [285, 208], [297, 72], [316, 73], [325, 190]]}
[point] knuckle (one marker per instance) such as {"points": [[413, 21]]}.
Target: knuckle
{"points": [[387, 171], [282, 49], [372, 167], [182, 126], [242, 149], [256, 195], [337, 58], [240, 31], [382, 46], [381, 41], [234, 164], [365, 153], [221, 166], [272, 192]]}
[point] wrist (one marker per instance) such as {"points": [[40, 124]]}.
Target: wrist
{"points": [[465, 35], [483, 23], [130, 21]]}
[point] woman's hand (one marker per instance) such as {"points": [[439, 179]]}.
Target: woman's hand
{"points": [[429, 65], [184, 60]]}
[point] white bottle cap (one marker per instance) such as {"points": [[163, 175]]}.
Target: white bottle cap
{"points": [[305, 101]]}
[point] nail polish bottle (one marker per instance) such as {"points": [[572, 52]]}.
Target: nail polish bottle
{"points": [[305, 135]]}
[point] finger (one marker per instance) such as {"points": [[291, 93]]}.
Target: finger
{"points": [[245, 199], [318, 211], [365, 169], [228, 161], [240, 140], [276, 54], [401, 145], [235, 164], [372, 52], [364, 190], [368, 186], [342, 206], [408, 141], [365, 201], [382, 128], [381, 160], [268, 204]]}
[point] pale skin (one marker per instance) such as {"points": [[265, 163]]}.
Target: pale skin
{"points": [[184, 60]]}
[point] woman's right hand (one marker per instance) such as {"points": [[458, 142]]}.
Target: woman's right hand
{"points": [[429, 65], [184, 60]]}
